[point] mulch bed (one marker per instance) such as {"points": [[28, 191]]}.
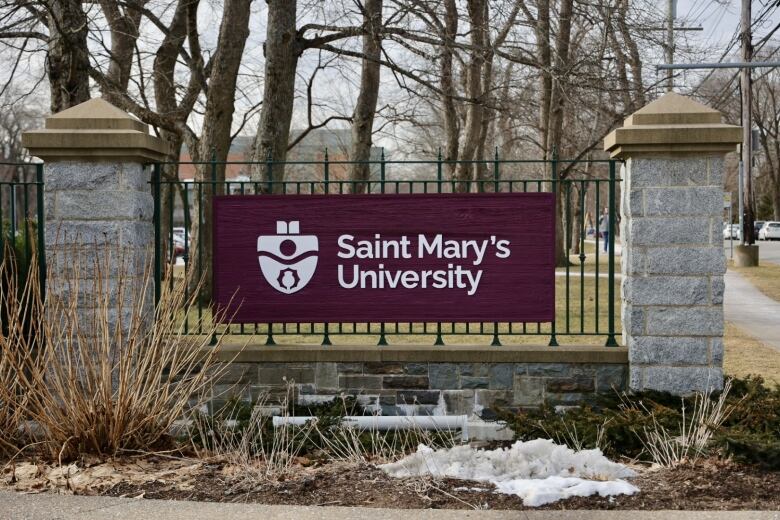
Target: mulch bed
{"points": [[711, 484]]}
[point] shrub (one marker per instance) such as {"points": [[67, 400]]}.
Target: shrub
{"points": [[747, 425], [99, 381]]}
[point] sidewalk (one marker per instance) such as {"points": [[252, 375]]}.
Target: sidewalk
{"points": [[751, 310], [46, 506]]}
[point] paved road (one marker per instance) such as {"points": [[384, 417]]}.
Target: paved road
{"points": [[46, 506], [752, 311], [767, 251]]}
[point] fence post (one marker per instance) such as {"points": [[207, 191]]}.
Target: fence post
{"points": [[672, 257], [97, 183]]}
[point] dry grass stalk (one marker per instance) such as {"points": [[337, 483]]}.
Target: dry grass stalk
{"points": [[666, 449], [105, 371], [256, 452]]}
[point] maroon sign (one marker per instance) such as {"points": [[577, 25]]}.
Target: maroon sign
{"points": [[370, 258]]}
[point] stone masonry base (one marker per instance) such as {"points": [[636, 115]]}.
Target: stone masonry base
{"points": [[422, 381]]}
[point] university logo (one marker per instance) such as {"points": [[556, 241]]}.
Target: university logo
{"points": [[287, 259]]}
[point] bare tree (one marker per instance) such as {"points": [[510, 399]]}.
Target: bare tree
{"points": [[365, 107]]}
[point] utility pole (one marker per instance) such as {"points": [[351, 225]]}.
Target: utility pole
{"points": [[747, 134], [671, 14]]}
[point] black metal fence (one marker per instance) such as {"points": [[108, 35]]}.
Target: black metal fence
{"points": [[585, 285]]}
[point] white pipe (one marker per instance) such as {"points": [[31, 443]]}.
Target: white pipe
{"points": [[391, 422]]}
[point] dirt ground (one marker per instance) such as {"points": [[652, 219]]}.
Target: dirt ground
{"points": [[710, 485]]}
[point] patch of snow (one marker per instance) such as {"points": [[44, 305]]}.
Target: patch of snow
{"points": [[538, 471]]}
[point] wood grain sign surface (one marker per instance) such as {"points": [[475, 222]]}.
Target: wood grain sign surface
{"points": [[370, 258]]}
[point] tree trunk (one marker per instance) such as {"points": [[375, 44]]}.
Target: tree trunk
{"points": [[545, 72], [217, 122], [282, 50], [365, 108], [555, 120], [475, 111], [124, 34], [68, 57], [451, 127]]}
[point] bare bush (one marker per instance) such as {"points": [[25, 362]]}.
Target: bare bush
{"points": [[106, 370], [696, 430]]}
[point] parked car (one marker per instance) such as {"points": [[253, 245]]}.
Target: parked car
{"points": [[732, 232], [770, 231], [757, 225]]}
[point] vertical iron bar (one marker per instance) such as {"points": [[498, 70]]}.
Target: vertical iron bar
{"points": [[269, 172], [611, 342], [186, 255], [40, 229], [439, 177], [382, 172], [496, 172], [582, 255], [596, 232], [326, 334], [554, 175], [208, 226], [567, 249], [157, 227]]}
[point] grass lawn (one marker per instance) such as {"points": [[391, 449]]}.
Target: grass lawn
{"points": [[765, 277], [745, 355]]}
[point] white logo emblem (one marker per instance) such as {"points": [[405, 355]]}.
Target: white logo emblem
{"points": [[287, 259]]}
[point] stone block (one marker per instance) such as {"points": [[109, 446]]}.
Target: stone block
{"points": [[282, 373], [685, 321], [669, 290], [360, 382], [236, 373], [682, 380], [458, 402], [633, 261], [111, 205], [474, 369], [405, 382], [501, 376], [559, 385], [669, 231], [633, 204], [133, 177], [548, 369], [77, 175], [686, 260], [443, 375], [416, 369], [417, 397], [633, 318], [383, 367], [492, 399], [676, 202], [718, 287], [649, 350], [326, 375], [528, 391], [716, 166], [611, 378], [474, 382], [651, 172], [716, 352], [349, 368]]}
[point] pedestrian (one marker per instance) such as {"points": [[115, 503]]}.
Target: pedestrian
{"points": [[604, 228]]}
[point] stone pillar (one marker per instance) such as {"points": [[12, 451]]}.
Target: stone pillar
{"points": [[97, 199], [673, 260]]}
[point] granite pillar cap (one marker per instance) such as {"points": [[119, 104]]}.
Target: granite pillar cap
{"points": [[93, 131], [673, 125]]}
